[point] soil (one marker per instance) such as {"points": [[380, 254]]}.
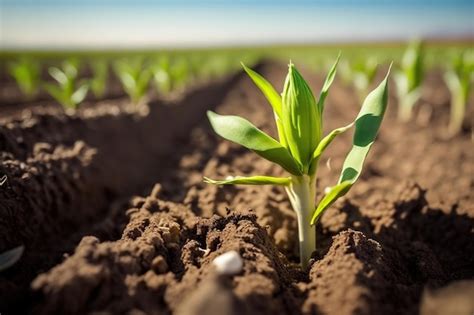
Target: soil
{"points": [[401, 242]]}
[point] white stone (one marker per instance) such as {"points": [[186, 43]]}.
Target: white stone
{"points": [[229, 263]]}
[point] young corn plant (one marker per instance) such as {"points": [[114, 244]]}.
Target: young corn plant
{"points": [[408, 80], [134, 78], [26, 73], [100, 72], [162, 75], [68, 92], [298, 116], [181, 73], [459, 79]]}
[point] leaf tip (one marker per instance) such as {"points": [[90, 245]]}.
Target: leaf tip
{"points": [[389, 70], [210, 114]]}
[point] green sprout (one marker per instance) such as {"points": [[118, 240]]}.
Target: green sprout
{"points": [[98, 83], [301, 143], [409, 79], [180, 72], [363, 74], [458, 79], [27, 75], [162, 75], [134, 78], [68, 92]]}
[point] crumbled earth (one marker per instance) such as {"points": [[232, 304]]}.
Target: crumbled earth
{"points": [[401, 242]]}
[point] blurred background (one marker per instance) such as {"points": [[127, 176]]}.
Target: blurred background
{"points": [[110, 48]]}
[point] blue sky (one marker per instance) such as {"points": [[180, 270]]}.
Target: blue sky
{"points": [[178, 23]]}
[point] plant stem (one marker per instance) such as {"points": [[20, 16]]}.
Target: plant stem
{"points": [[457, 113], [302, 192]]}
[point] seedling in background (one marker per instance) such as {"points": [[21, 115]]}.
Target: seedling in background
{"points": [[181, 73], [299, 123], [100, 72], [459, 78], [161, 75], [364, 73], [408, 80], [68, 92], [134, 78], [27, 75]]}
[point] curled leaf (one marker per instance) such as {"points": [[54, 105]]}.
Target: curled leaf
{"points": [[366, 128]]}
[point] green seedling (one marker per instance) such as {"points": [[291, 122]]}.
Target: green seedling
{"points": [[162, 75], [134, 78], [26, 73], [68, 92], [100, 72], [301, 143], [459, 78], [180, 72], [364, 73], [408, 80], [216, 66], [10, 257]]}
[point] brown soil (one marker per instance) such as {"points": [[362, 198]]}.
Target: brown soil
{"points": [[397, 243]]}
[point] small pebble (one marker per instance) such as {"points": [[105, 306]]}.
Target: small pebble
{"points": [[229, 263]]}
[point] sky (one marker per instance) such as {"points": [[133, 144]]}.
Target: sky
{"points": [[105, 24]]}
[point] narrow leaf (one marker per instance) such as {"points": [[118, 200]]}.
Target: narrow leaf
{"points": [[327, 84], [252, 180], [241, 131], [10, 257], [366, 128], [58, 75], [328, 139], [80, 94], [273, 98], [267, 89], [334, 193]]}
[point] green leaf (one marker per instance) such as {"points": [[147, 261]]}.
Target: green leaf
{"points": [[334, 193], [273, 98], [366, 128], [251, 180], [58, 75], [327, 84], [80, 94], [10, 257], [325, 143], [267, 89], [241, 131], [57, 93]]}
